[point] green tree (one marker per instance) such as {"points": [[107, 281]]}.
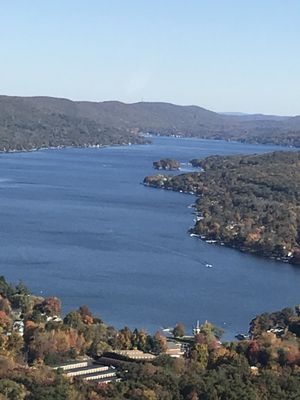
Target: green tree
{"points": [[200, 354], [12, 390], [73, 319]]}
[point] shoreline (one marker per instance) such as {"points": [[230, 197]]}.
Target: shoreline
{"points": [[219, 242], [285, 146], [145, 136], [62, 147]]}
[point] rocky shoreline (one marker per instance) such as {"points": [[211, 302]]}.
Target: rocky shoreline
{"points": [[167, 164], [214, 240], [208, 225]]}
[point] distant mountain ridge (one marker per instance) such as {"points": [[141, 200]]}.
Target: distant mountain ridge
{"points": [[256, 117], [34, 122]]}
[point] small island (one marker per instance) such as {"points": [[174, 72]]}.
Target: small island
{"points": [[196, 162], [249, 202], [167, 164]]}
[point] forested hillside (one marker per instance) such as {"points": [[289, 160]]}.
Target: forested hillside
{"points": [[248, 202], [34, 122]]}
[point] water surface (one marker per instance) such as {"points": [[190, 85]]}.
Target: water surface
{"points": [[77, 223]]}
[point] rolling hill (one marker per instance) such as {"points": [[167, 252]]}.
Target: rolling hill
{"points": [[35, 122]]}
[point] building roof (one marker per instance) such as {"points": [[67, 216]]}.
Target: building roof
{"points": [[173, 345], [135, 354], [99, 373], [72, 362], [98, 367]]}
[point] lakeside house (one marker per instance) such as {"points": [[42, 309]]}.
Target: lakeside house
{"points": [[175, 349], [278, 330]]}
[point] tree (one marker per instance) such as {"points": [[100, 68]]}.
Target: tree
{"points": [[179, 330], [37, 316], [159, 343], [22, 289], [23, 301], [199, 353], [15, 345], [125, 339], [73, 319], [5, 321], [98, 348], [84, 311], [5, 305], [51, 306], [12, 390], [6, 290]]}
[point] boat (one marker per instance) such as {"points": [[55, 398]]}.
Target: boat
{"points": [[242, 336], [208, 265], [167, 330]]}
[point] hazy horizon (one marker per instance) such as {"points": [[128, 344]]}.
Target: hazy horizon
{"points": [[222, 56]]}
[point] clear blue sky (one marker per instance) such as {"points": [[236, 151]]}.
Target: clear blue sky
{"points": [[225, 55]]}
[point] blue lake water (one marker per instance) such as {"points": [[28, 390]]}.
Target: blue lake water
{"points": [[77, 224]]}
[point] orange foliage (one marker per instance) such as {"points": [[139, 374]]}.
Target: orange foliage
{"points": [[88, 320], [5, 321], [52, 306]]}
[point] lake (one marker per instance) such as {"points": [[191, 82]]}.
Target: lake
{"points": [[77, 224]]}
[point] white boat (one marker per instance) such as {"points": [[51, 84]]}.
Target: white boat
{"points": [[167, 330], [208, 265]]}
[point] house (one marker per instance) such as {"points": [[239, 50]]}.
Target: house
{"points": [[174, 349], [242, 336], [54, 318], [277, 330], [18, 326]]}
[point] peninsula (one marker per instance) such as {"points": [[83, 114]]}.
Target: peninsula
{"points": [[249, 202]]}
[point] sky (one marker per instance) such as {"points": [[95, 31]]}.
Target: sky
{"points": [[224, 55]]}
